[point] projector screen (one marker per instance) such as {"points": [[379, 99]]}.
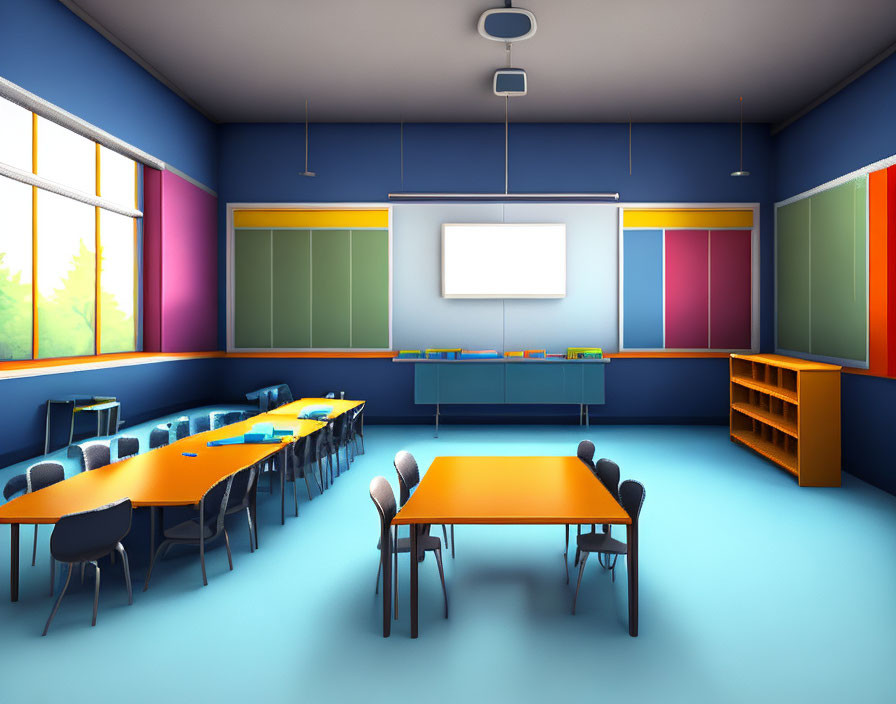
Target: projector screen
{"points": [[504, 260]]}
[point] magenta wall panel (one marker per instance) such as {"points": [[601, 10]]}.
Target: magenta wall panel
{"points": [[189, 266], [152, 260], [730, 279], [687, 289]]}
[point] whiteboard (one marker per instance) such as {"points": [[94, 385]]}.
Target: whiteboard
{"points": [[504, 260]]}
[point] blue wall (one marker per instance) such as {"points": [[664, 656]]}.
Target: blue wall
{"points": [[49, 51], [851, 130], [361, 162]]}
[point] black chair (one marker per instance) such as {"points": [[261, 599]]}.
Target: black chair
{"points": [[208, 527], [38, 476], [585, 452], [15, 485], [317, 444], [159, 437], [127, 447], [408, 478], [200, 424], [87, 537], [384, 500], [608, 473], [241, 500], [631, 498], [301, 466], [181, 428]]}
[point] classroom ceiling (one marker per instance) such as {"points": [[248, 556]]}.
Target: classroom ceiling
{"points": [[422, 60]]}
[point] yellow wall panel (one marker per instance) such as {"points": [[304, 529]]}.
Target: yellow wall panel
{"points": [[687, 218], [311, 218]]}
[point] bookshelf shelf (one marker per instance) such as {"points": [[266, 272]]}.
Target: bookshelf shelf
{"points": [[788, 411]]}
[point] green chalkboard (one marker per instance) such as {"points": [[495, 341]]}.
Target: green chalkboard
{"points": [[252, 288], [291, 268], [839, 293], [370, 288], [821, 280], [331, 288], [792, 276]]}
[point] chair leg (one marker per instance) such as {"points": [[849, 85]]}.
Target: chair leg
{"points": [[127, 572], [452, 541], [251, 537], [579, 582], [227, 545], [164, 546], [295, 495], [445, 534], [71, 568], [34, 552], [395, 570], [96, 590], [379, 569], [52, 575], [442, 577], [308, 484]]}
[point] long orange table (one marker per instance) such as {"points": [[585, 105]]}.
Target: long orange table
{"points": [[339, 405], [158, 478], [511, 491]]}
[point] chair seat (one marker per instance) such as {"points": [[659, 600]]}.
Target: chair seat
{"points": [[600, 542], [424, 542], [188, 530]]}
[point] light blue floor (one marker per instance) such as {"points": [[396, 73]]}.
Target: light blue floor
{"points": [[752, 589]]}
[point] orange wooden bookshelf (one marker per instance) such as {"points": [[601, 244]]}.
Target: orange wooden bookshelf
{"points": [[788, 411]]}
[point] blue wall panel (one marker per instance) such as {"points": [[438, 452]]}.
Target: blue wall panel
{"points": [[642, 293], [49, 51]]}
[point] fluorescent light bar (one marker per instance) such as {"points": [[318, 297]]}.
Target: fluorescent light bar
{"points": [[505, 196]]}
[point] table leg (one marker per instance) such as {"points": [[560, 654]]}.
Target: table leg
{"points": [[587, 417], [414, 563], [632, 540], [253, 506], [284, 459], [437, 421], [14, 562], [47, 431]]}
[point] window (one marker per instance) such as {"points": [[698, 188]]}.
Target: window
{"points": [[688, 280], [309, 279], [68, 242]]}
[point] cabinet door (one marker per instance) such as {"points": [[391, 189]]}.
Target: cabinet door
{"points": [[252, 288]]}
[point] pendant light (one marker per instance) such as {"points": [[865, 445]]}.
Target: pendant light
{"points": [[740, 171], [306, 172]]}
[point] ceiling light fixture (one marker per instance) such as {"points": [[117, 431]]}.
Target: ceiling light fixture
{"points": [[740, 171]]}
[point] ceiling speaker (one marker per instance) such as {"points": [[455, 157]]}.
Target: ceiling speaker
{"points": [[507, 24], [510, 82]]}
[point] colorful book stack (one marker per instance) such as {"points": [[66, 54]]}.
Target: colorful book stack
{"points": [[409, 354], [555, 356], [584, 353], [513, 354], [440, 353], [534, 354]]}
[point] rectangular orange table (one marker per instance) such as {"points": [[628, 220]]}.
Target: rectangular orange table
{"points": [[512, 491], [340, 406], [158, 478]]}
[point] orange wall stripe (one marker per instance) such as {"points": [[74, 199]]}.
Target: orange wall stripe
{"points": [[877, 256], [891, 272]]}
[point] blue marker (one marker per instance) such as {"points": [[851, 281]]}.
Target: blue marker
{"points": [[188, 454]]}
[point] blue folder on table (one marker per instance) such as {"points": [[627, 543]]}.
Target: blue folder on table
{"points": [[261, 433]]}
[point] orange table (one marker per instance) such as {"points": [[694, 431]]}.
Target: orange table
{"points": [[339, 405], [158, 478], [510, 491]]}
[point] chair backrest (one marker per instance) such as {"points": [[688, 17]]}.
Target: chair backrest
{"points": [[231, 417], [264, 401], [384, 500], [215, 503], [200, 424], [158, 438], [631, 498], [42, 474], [114, 414], [608, 473], [274, 398], [14, 486], [408, 474], [181, 428], [127, 447], [242, 485], [80, 537], [585, 452], [95, 455], [285, 394]]}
